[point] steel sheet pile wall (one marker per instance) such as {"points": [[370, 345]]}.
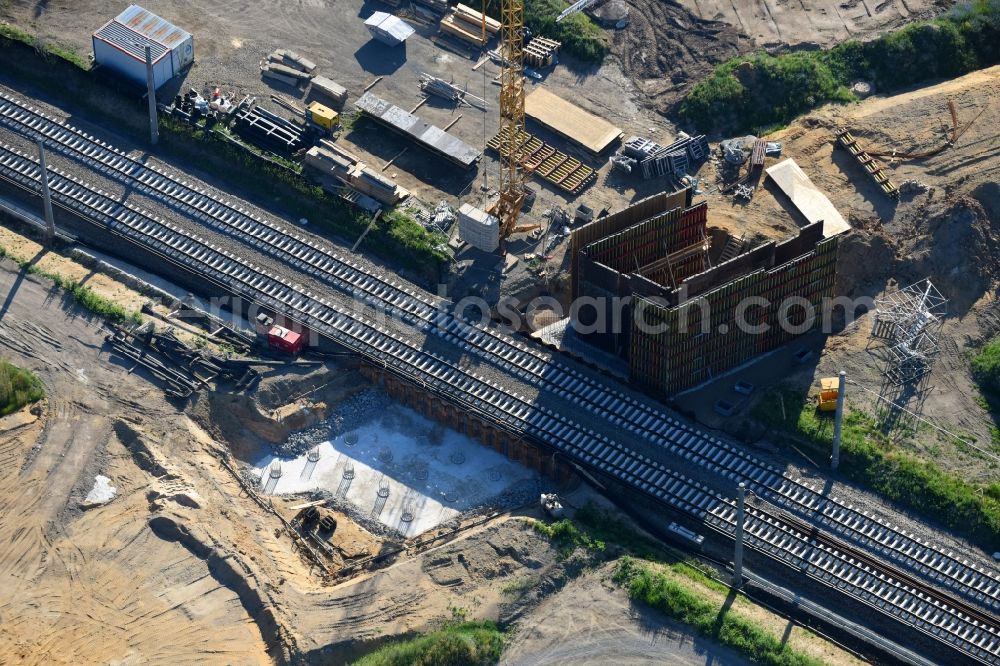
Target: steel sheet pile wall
{"points": [[642, 210], [645, 243], [679, 347]]}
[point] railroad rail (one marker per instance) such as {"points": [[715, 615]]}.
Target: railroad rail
{"points": [[430, 314], [462, 387]]}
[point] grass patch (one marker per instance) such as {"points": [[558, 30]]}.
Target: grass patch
{"points": [[567, 536], [459, 644], [752, 92], [18, 387], [43, 47], [645, 584], [985, 365], [871, 458], [579, 35], [81, 293]]}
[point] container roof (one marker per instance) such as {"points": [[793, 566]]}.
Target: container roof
{"points": [[130, 41], [390, 25], [152, 26]]}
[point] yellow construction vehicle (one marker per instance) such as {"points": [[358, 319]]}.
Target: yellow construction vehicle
{"points": [[323, 117], [829, 390]]}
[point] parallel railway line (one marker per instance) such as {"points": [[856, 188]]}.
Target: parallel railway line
{"points": [[951, 620], [430, 315]]}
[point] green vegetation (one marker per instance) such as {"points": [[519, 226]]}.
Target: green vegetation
{"points": [[568, 536], [647, 585], [873, 459], [758, 91], [580, 36], [44, 48], [17, 388], [397, 236], [80, 293], [986, 367], [459, 644]]}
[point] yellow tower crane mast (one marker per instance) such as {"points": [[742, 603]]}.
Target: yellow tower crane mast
{"points": [[512, 177]]}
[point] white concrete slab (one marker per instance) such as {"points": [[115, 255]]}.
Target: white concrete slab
{"points": [[430, 472], [807, 198]]}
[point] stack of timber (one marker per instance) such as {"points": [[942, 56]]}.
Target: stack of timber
{"points": [[871, 165], [330, 89], [284, 74], [438, 7], [537, 157], [334, 167], [466, 24], [432, 85], [292, 59], [541, 51]]}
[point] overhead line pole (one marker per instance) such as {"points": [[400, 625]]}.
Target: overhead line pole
{"points": [[154, 129]]}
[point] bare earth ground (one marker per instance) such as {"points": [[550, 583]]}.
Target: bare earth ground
{"points": [[950, 233], [181, 567]]}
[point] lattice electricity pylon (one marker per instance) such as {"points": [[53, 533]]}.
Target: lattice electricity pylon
{"points": [[909, 320]]}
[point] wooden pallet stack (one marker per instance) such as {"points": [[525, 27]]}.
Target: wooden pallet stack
{"points": [[541, 51], [537, 157], [871, 165], [466, 24]]}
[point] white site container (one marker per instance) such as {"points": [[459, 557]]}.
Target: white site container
{"points": [[478, 228], [120, 45]]}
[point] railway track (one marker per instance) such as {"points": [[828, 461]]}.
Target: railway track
{"points": [[954, 620], [430, 314]]}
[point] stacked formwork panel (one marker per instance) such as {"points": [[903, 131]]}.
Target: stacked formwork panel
{"points": [[674, 348], [649, 243], [651, 206]]}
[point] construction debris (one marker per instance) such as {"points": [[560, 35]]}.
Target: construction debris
{"points": [[871, 165], [541, 159], [654, 160]]}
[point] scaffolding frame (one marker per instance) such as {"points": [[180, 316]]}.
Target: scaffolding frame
{"points": [[909, 321]]}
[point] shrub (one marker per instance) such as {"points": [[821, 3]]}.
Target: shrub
{"points": [[986, 367], [18, 388], [756, 91], [463, 644]]}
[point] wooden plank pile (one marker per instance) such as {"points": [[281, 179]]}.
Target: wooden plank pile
{"points": [[432, 85], [537, 157], [466, 24]]}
